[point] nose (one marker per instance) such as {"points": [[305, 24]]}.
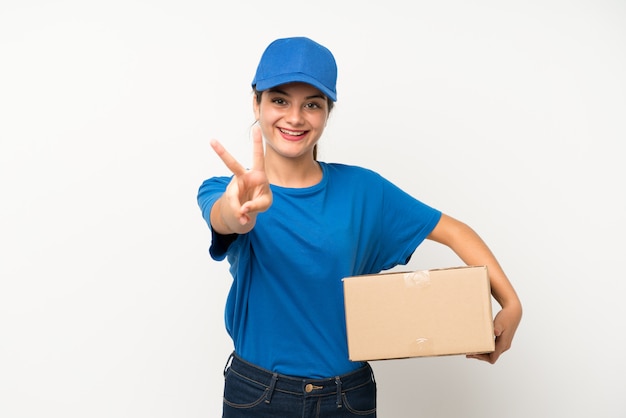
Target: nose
{"points": [[294, 115]]}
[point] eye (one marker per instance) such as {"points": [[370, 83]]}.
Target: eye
{"points": [[278, 100], [313, 105]]}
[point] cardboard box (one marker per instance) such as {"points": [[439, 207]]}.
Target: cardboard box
{"points": [[420, 313]]}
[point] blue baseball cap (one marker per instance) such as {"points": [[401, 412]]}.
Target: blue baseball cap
{"points": [[300, 59]]}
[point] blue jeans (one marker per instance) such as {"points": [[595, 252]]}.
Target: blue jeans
{"points": [[250, 391]]}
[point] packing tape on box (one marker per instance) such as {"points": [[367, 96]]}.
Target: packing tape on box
{"points": [[417, 278]]}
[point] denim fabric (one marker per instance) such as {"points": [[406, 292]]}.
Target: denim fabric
{"points": [[250, 391]]}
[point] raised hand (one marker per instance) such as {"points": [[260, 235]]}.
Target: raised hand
{"points": [[247, 194]]}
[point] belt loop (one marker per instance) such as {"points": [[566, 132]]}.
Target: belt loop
{"points": [[270, 390], [338, 382], [228, 362]]}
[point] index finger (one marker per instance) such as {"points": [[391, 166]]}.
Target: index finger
{"points": [[230, 161], [258, 155]]}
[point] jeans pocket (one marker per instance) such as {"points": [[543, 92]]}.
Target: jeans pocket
{"points": [[242, 393], [361, 401]]}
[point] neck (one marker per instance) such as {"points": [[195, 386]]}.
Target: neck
{"points": [[293, 173]]}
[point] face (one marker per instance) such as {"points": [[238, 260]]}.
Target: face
{"points": [[292, 118]]}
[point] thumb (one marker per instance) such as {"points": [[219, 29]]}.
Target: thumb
{"points": [[497, 330]]}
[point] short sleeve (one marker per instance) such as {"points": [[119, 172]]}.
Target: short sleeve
{"points": [[210, 191]]}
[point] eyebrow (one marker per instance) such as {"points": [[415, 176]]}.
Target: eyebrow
{"points": [[279, 91]]}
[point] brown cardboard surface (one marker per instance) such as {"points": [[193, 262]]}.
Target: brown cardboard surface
{"points": [[420, 313]]}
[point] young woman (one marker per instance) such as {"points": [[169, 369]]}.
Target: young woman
{"points": [[292, 227]]}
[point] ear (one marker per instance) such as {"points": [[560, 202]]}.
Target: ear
{"points": [[256, 107]]}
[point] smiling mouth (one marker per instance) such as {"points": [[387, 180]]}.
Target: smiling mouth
{"points": [[291, 133]]}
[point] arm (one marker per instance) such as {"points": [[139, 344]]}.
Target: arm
{"points": [[473, 251], [246, 195]]}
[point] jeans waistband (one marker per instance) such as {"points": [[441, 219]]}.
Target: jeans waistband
{"points": [[300, 386]]}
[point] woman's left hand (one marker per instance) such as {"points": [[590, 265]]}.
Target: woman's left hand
{"points": [[504, 326]]}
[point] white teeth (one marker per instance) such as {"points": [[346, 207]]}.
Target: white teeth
{"points": [[293, 133]]}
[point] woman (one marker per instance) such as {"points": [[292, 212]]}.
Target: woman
{"points": [[292, 227]]}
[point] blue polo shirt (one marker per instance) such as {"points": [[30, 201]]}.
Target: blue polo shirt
{"points": [[285, 309]]}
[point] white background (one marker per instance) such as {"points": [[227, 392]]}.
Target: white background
{"points": [[510, 116]]}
